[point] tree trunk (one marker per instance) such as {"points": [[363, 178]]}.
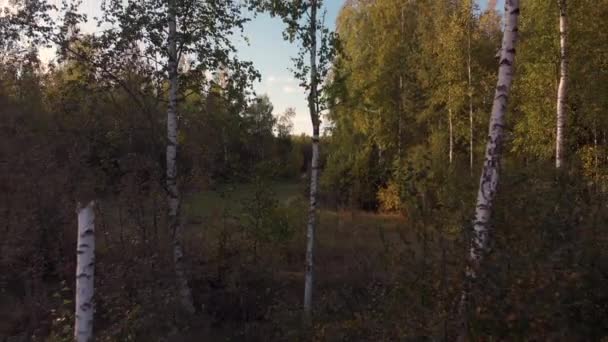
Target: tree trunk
{"points": [[85, 271], [470, 98], [225, 147], [173, 196], [595, 152], [451, 129], [400, 119], [562, 91], [401, 96], [490, 173], [314, 172]]}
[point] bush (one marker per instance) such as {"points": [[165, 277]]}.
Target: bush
{"points": [[389, 198]]}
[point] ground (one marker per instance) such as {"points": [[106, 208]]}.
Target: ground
{"points": [[258, 288], [247, 282]]}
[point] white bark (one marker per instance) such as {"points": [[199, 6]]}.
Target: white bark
{"points": [[562, 91], [490, 174], [173, 196], [310, 231], [85, 272], [314, 172]]}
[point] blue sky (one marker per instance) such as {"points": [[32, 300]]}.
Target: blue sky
{"points": [[271, 55]]}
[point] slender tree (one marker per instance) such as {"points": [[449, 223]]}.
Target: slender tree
{"points": [[173, 196], [449, 26], [488, 182], [562, 91], [451, 135], [168, 32], [470, 83], [85, 272], [314, 168], [318, 43]]}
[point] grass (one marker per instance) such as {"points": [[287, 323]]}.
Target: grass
{"points": [[365, 227], [249, 288], [335, 227], [249, 291], [353, 250], [344, 238], [231, 197]]}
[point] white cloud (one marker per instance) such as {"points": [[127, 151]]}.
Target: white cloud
{"points": [[289, 89], [283, 80]]}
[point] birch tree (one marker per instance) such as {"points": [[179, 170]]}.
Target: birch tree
{"points": [[313, 100], [85, 272], [170, 31], [450, 92], [488, 182], [173, 195], [316, 42], [562, 91], [470, 82]]}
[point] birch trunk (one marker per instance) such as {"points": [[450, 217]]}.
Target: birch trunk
{"points": [[401, 96], [173, 196], [400, 120], [595, 154], [490, 173], [470, 99], [85, 272], [562, 91], [314, 172], [451, 129]]}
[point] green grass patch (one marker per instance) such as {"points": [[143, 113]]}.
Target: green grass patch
{"points": [[232, 198]]}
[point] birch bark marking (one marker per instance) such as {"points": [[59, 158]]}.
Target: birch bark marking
{"points": [[562, 91], [173, 196], [490, 173], [85, 272], [314, 174]]}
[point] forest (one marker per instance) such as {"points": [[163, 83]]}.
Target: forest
{"points": [[453, 187]]}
